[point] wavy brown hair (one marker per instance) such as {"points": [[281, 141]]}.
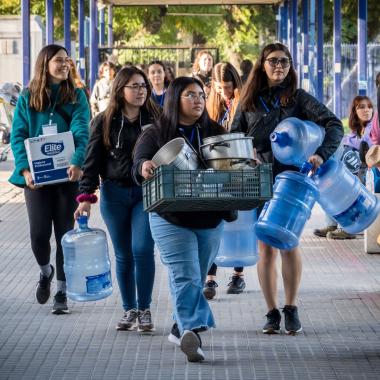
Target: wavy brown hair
{"points": [[196, 68], [354, 122], [258, 80], [223, 72], [39, 85], [117, 100]]}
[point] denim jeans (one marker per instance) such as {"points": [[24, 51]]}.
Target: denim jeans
{"points": [[128, 226], [188, 254]]}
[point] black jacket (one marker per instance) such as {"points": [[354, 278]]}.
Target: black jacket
{"points": [[261, 123], [146, 147], [113, 164]]}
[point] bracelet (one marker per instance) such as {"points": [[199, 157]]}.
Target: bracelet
{"points": [[92, 198]]}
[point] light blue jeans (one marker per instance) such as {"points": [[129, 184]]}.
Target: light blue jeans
{"points": [[188, 255]]}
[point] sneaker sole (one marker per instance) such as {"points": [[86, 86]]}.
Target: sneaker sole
{"points": [[145, 329], [191, 348], [271, 331], [173, 339], [342, 238], [235, 291], [60, 312], [121, 328], [292, 332]]}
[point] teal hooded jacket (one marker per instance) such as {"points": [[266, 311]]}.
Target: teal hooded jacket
{"points": [[28, 123]]}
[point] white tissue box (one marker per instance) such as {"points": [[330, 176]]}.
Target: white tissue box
{"points": [[49, 157]]}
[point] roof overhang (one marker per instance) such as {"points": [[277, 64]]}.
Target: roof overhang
{"points": [[188, 2]]}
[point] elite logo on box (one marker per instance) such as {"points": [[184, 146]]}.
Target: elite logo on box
{"points": [[52, 149]]}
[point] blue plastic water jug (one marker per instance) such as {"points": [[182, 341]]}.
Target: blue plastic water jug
{"points": [[86, 263], [294, 140], [283, 218], [238, 247], [345, 198]]}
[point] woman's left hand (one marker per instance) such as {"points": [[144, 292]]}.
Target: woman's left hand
{"points": [[316, 161], [75, 173]]}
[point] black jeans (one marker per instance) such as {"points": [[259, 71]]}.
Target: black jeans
{"points": [[47, 206], [214, 267]]}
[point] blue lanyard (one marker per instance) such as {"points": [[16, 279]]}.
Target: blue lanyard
{"points": [[225, 116], [276, 104]]}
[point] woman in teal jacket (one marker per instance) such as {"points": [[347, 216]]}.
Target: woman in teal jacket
{"points": [[50, 100]]}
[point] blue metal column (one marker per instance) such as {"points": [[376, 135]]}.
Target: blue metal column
{"points": [[293, 32], [49, 22], [102, 27], [320, 40], [305, 44], [67, 24], [94, 57], [110, 27], [285, 23], [25, 18], [312, 67], [362, 48], [82, 65], [337, 58], [278, 24]]}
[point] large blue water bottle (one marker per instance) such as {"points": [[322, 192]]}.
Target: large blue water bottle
{"points": [[345, 198], [238, 247], [294, 140], [283, 218], [86, 263]]}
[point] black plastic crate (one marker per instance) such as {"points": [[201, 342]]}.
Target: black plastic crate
{"points": [[172, 189]]}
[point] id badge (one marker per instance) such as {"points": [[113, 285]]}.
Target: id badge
{"points": [[49, 129]]}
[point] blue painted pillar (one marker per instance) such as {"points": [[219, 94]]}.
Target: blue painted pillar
{"points": [[312, 72], [110, 26], [102, 27], [25, 19], [82, 66], [278, 24], [337, 95], [67, 24], [285, 23], [362, 47], [305, 44], [293, 32], [49, 22], [320, 40], [94, 55]]}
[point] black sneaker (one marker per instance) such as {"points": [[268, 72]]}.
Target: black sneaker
{"points": [[292, 321], [273, 322], [175, 335], [191, 346], [43, 287], [209, 289], [60, 304], [237, 285]]}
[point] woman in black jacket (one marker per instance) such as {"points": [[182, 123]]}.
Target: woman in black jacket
{"points": [[188, 241], [269, 96], [109, 157]]}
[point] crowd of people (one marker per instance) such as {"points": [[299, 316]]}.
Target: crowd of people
{"points": [[134, 113]]}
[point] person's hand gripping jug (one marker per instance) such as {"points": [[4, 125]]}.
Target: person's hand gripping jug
{"points": [[86, 263]]}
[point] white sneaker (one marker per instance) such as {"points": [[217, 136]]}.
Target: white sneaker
{"points": [[191, 346]]}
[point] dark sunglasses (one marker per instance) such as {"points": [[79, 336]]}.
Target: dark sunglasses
{"points": [[284, 62]]}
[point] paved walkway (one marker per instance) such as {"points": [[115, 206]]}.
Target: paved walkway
{"points": [[339, 308]]}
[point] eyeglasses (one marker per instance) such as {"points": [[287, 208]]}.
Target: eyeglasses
{"points": [[192, 97], [284, 62], [138, 87]]}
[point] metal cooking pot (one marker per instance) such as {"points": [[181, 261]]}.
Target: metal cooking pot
{"points": [[231, 164], [178, 153], [232, 145]]}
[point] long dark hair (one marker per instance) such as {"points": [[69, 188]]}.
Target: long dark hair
{"points": [[223, 72], [258, 80], [39, 85], [354, 122], [117, 100], [169, 118]]}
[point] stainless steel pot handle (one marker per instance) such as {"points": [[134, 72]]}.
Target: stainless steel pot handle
{"points": [[221, 143]]}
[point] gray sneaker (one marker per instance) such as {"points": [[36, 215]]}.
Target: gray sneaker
{"points": [[191, 346], [340, 234], [60, 304], [128, 321], [144, 320], [43, 287], [322, 232]]}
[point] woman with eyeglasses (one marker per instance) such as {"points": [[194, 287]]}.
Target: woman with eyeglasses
{"points": [[50, 103], [269, 96], [187, 241], [108, 165], [156, 75]]}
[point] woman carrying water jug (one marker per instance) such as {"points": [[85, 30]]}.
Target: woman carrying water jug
{"points": [[269, 96], [51, 103], [114, 133]]}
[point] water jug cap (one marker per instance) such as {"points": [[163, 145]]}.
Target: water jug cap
{"points": [[82, 220], [306, 167], [281, 138]]}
